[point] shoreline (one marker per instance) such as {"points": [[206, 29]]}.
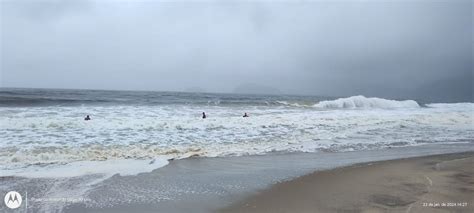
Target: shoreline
{"points": [[200, 185], [435, 183]]}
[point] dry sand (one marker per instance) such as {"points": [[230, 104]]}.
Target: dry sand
{"points": [[422, 184]]}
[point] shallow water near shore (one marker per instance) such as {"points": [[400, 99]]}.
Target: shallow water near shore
{"points": [[194, 184]]}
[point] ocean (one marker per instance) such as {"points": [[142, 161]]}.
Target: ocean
{"points": [[44, 131]]}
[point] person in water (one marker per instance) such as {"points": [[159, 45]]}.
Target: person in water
{"points": [[87, 118], [245, 115], [203, 115]]}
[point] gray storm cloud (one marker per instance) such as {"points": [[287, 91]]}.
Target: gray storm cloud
{"points": [[407, 49]]}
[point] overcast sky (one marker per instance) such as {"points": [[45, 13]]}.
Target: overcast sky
{"points": [[375, 48]]}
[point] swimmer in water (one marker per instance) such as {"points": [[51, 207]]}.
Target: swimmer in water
{"points": [[87, 118], [245, 115], [203, 115]]}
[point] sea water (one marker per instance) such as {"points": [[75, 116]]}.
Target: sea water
{"points": [[44, 134]]}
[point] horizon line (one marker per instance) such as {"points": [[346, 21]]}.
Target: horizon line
{"points": [[176, 91]]}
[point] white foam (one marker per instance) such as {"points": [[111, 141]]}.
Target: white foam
{"points": [[108, 168], [38, 136], [468, 106], [363, 102]]}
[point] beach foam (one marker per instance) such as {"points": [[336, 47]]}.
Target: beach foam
{"points": [[108, 168]]}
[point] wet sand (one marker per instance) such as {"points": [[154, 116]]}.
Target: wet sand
{"points": [[422, 184]]}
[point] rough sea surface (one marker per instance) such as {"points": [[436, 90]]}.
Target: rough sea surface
{"points": [[43, 132]]}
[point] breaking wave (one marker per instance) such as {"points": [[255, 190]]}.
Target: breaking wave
{"points": [[364, 102]]}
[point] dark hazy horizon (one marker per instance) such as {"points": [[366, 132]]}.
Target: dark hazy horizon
{"points": [[419, 49]]}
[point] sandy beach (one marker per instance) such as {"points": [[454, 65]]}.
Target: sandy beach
{"points": [[440, 183]]}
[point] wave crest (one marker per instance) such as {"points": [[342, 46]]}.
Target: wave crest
{"points": [[364, 102]]}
